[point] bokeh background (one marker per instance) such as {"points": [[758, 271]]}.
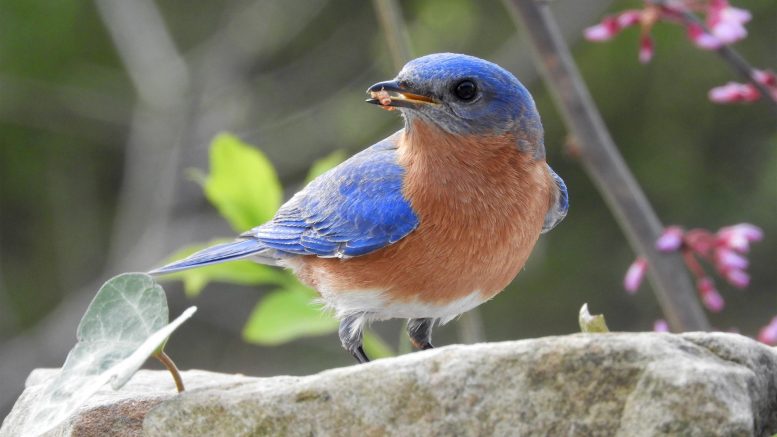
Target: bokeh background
{"points": [[105, 107]]}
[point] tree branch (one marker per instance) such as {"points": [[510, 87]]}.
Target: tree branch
{"points": [[606, 167]]}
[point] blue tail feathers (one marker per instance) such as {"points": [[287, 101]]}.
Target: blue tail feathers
{"points": [[216, 254]]}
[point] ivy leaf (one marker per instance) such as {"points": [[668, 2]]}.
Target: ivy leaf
{"points": [[321, 166], [126, 323], [242, 183], [286, 315], [243, 272]]}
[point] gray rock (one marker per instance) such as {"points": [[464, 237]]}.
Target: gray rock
{"points": [[647, 384]]}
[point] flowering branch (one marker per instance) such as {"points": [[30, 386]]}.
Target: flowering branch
{"points": [[725, 250], [732, 57], [723, 26], [605, 165]]}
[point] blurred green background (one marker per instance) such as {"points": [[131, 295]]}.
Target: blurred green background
{"points": [[105, 107]]}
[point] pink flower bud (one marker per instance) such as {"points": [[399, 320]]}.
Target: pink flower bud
{"points": [[713, 301], [737, 278], [729, 31], [705, 285], [737, 15], [660, 325], [628, 18], [611, 26], [603, 31], [634, 275], [670, 240], [738, 237], [734, 92], [701, 38], [645, 49], [709, 295], [727, 23], [765, 77], [726, 259], [768, 334], [749, 231]]}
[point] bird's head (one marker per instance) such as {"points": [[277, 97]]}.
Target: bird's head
{"points": [[463, 95]]}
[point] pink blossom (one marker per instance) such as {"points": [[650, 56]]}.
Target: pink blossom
{"points": [[765, 77], [738, 237], [634, 275], [670, 240], [738, 278], [726, 259], [768, 334], [645, 48], [612, 25], [701, 38], [749, 231], [628, 18], [713, 301], [660, 325], [727, 23], [709, 295], [733, 92], [603, 31]]}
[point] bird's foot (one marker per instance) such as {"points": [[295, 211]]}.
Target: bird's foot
{"points": [[360, 356], [351, 335], [420, 332]]}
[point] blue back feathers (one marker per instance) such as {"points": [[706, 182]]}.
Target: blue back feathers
{"points": [[353, 209]]}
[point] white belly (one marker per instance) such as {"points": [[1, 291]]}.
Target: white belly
{"points": [[376, 305]]}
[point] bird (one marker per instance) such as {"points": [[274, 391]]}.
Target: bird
{"points": [[431, 221]]}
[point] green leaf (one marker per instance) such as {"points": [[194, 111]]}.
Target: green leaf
{"points": [[326, 163], [126, 322], [286, 315], [244, 272], [376, 347], [589, 323], [242, 183]]}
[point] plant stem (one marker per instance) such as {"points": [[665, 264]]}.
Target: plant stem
{"points": [[693, 264], [171, 367], [606, 167]]}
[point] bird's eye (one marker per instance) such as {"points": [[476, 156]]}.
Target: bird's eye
{"points": [[465, 90]]}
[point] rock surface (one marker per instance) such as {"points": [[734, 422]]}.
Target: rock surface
{"points": [[646, 384]]}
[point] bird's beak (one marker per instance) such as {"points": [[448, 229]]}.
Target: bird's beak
{"points": [[391, 94]]}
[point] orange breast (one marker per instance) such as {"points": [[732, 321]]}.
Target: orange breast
{"points": [[481, 205]]}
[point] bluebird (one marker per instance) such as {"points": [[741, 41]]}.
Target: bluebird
{"points": [[428, 223]]}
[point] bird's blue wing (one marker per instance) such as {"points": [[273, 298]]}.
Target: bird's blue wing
{"points": [[559, 209], [351, 210]]}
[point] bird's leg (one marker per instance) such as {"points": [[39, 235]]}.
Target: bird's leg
{"points": [[420, 332], [351, 332]]}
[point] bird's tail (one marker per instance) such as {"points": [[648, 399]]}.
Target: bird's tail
{"points": [[216, 254]]}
